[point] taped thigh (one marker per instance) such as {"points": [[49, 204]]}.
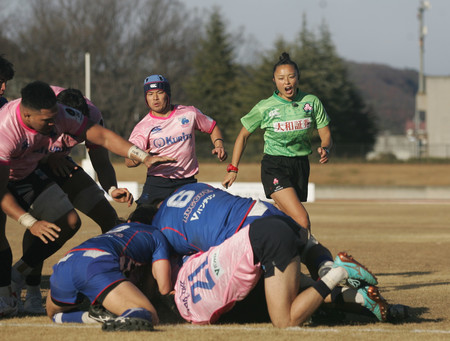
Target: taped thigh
{"points": [[51, 204]]}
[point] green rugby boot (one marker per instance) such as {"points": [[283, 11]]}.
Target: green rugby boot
{"points": [[358, 275]]}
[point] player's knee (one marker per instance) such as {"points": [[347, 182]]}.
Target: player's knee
{"points": [[70, 223], [73, 220]]}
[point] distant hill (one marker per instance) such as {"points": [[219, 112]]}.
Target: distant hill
{"points": [[389, 91]]}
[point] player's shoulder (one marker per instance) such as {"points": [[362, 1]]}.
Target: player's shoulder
{"points": [[180, 109]]}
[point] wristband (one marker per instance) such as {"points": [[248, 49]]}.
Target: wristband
{"points": [[326, 150], [219, 139], [232, 168], [111, 189], [27, 220], [137, 153]]}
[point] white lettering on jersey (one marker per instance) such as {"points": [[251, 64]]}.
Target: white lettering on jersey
{"points": [[66, 257], [281, 127], [215, 264], [200, 209], [180, 199], [95, 253]]}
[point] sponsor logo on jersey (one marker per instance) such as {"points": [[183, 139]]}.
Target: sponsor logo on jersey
{"points": [[295, 125], [307, 107], [155, 130], [184, 121], [274, 113], [184, 295], [187, 213], [169, 140], [200, 209], [215, 264]]}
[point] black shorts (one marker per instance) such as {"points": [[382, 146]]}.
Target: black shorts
{"points": [[28, 189], [280, 172], [82, 190], [157, 188], [276, 240]]}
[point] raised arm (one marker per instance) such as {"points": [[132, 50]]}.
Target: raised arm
{"points": [[107, 176], [118, 145]]}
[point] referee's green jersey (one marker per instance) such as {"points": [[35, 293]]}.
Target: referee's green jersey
{"points": [[288, 125]]}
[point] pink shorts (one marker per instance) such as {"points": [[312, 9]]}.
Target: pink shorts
{"points": [[209, 283]]}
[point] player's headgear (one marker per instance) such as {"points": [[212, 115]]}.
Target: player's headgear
{"points": [[156, 82]]}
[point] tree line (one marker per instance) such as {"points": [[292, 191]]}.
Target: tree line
{"points": [[129, 40]]}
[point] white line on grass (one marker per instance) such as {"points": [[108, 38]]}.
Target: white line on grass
{"points": [[243, 328]]}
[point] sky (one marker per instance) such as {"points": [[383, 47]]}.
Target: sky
{"points": [[366, 31]]}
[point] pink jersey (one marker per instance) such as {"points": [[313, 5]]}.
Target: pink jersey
{"points": [[66, 142], [21, 148], [173, 136], [209, 283]]}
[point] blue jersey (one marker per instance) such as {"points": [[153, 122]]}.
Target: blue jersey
{"points": [[197, 216], [133, 244]]}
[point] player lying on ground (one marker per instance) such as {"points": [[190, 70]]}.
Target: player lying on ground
{"points": [[198, 216], [210, 283], [98, 269]]}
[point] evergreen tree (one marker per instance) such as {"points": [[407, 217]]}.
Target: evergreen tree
{"points": [[211, 86], [325, 74]]}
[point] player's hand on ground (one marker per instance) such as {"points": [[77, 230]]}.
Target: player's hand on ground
{"points": [[122, 195], [220, 152], [229, 179], [45, 231], [323, 155], [154, 160], [60, 166]]}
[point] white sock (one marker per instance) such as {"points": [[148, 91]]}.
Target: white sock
{"points": [[334, 277], [324, 268]]}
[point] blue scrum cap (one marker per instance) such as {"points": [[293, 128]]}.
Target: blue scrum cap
{"points": [[156, 82]]}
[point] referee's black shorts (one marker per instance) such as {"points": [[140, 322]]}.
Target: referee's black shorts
{"points": [[280, 172]]}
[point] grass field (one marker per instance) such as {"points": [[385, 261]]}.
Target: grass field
{"points": [[406, 244]]}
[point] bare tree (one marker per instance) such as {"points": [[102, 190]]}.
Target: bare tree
{"points": [[127, 41]]}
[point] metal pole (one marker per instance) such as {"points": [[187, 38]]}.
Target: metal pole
{"points": [[87, 72], [424, 4]]}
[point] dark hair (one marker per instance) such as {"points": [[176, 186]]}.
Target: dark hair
{"points": [[286, 60], [6, 69], [38, 95], [73, 98], [143, 214]]}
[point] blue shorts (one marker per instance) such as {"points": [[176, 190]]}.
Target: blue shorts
{"points": [[88, 273]]}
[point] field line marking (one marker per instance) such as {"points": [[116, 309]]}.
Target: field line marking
{"points": [[243, 328]]}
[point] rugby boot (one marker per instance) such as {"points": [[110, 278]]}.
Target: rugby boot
{"points": [[358, 274]]}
